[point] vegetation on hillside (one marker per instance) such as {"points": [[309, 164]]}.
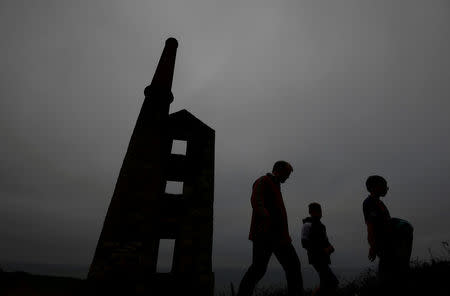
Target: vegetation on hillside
{"points": [[430, 277]]}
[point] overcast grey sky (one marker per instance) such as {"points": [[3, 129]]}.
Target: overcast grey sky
{"points": [[341, 89]]}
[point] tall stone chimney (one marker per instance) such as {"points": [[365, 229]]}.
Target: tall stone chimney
{"points": [[141, 213]]}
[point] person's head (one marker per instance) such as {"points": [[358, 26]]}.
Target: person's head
{"points": [[315, 210], [377, 186], [282, 170]]}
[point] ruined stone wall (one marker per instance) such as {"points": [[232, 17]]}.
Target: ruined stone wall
{"points": [[141, 213]]}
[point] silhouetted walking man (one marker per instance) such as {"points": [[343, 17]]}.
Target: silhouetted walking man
{"points": [[269, 233]]}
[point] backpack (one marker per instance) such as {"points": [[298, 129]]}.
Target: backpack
{"points": [[401, 238]]}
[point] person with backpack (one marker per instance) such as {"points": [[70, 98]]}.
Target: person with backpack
{"points": [[390, 239], [315, 240]]}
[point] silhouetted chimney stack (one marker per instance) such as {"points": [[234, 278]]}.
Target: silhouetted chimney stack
{"points": [[162, 80], [142, 212]]}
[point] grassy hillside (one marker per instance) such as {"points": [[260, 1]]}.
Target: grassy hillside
{"points": [[424, 278], [21, 283]]}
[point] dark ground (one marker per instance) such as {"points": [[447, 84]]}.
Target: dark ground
{"points": [[425, 278]]}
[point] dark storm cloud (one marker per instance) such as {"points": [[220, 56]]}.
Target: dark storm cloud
{"points": [[341, 89]]}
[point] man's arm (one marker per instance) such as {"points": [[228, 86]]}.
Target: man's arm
{"points": [[371, 240], [258, 200], [370, 216], [371, 234], [329, 249]]}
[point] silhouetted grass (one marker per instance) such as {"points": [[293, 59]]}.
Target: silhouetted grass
{"points": [[22, 283], [430, 277]]}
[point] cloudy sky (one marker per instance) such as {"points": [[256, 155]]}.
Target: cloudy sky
{"points": [[341, 89]]}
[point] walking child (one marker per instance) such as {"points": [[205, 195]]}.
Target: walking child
{"points": [[315, 241]]}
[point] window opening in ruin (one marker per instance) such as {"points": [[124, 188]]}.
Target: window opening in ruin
{"points": [[165, 255], [179, 147], [173, 187]]}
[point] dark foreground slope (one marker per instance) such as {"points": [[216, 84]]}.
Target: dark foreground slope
{"points": [[21, 283], [424, 278]]}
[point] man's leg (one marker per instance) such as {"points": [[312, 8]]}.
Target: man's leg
{"points": [[288, 259], [386, 275], [328, 281], [260, 260]]}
